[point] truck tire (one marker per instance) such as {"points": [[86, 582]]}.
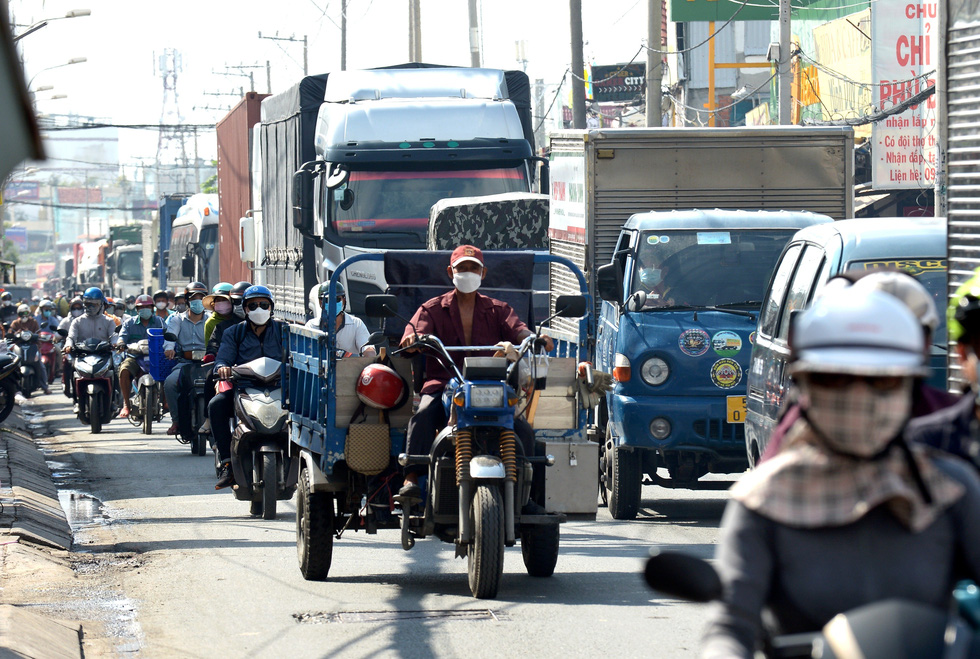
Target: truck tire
{"points": [[485, 557], [624, 482], [314, 530], [539, 546]]}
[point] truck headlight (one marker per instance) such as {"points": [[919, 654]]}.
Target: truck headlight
{"points": [[655, 371]]}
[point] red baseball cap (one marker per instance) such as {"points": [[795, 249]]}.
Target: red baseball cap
{"points": [[466, 253]]}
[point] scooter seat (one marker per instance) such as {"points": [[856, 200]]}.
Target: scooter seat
{"points": [[6, 360]]}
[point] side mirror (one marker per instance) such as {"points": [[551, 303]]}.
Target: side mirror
{"points": [[376, 339], [69, 267], [63, 332], [683, 576], [636, 301], [169, 336], [347, 198], [571, 306], [380, 306], [337, 177], [609, 283], [301, 196], [187, 266]]}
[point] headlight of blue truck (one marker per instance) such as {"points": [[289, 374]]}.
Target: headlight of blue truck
{"points": [[655, 371], [487, 396]]}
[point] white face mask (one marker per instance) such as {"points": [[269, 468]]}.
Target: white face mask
{"points": [[161, 305], [467, 282], [260, 316], [858, 420], [75, 313]]}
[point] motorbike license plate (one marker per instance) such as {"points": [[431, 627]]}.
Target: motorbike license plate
{"points": [[736, 409]]}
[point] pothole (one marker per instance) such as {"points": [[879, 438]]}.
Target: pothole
{"points": [[322, 618]]}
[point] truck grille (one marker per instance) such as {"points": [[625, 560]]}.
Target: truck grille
{"points": [[719, 430]]}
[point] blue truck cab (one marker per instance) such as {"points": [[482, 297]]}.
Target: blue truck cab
{"points": [[681, 299]]}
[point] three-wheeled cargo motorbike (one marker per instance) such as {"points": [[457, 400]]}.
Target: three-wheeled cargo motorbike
{"points": [[478, 477]]}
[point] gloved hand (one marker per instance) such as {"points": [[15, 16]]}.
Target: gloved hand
{"points": [[593, 385], [506, 349]]}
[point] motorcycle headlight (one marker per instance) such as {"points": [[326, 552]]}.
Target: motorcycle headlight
{"points": [[266, 413], [655, 371], [85, 367], [487, 396]]}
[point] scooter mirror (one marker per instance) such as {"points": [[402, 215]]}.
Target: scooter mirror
{"points": [[63, 332], [380, 306], [570, 306], [375, 339]]}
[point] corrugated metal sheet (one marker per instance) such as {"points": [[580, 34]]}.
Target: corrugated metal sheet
{"points": [[234, 187], [963, 157], [698, 58]]}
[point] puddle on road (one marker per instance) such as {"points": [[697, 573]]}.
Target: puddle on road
{"points": [[321, 618]]}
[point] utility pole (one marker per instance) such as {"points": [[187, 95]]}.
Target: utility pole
{"points": [[474, 35], [785, 71], [654, 61], [414, 31], [268, 76], [292, 38], [578, 65], [343, 35]]}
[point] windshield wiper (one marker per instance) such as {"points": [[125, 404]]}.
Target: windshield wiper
{"points": [[734, 312], [754, 303]]}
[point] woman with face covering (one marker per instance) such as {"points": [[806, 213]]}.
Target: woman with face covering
{"points": [[848, 512]]}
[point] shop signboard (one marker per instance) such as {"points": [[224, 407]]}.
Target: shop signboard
{"points": [[903, 63]]}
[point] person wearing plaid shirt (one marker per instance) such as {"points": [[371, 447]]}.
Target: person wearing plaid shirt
{"points": [[849, 512]]}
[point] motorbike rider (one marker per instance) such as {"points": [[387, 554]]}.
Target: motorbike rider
{"points": [[161, 301], [258, 336], [93, 324], [219, 302], [25, 320], [849, 512], [460, 317], [131, 305], [352, 333], [8, 311], [236, 316], [134, 329], [179, 302], [110, 311], [188, 330], [47, 318], [75, 309], [61, 304], [956, 429]]}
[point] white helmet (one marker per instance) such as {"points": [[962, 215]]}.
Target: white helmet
{"points": [[23, 309], [907, 289], [865, 332]]}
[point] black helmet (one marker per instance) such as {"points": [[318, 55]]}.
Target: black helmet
{"points": [[325, 290], [161, 293], [238, 290], [194, 288]]}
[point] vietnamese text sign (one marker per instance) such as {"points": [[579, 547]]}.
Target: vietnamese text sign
{"points": [[905, 45], [843, 42], [567, 214]]}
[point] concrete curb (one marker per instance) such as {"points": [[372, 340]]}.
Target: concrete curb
{"points": [[33, 514]]}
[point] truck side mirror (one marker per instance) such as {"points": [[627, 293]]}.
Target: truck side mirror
{"points": [[609, 283], [246, 237], [69, 267], [187, 266], [301, 196]]}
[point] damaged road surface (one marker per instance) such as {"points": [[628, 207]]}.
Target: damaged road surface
{"points": [[162, 565]]}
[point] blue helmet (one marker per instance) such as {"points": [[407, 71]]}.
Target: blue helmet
{"points": [[93, 293], [257, 291]]}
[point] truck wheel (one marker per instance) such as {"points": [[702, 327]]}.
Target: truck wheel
{"points": [[268, 485], [314, 530], [539, 546], [624, 482], [485, 557]]}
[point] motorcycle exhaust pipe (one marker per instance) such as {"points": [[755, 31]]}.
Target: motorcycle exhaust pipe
{"points": [[509, 513], [465, 523]]}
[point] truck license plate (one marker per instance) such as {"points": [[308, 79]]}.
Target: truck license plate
{"points": [[736, 409]]}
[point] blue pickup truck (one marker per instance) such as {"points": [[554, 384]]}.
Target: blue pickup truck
{"points": [[681, 299]]}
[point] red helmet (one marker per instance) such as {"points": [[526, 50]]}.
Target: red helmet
{"points": [[381, 387]]}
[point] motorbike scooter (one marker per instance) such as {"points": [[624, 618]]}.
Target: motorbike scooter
{"points": [[147, 398], [887, 629], [259, 456], [24, 345], [96, 385], [49, 354], [9, 383]]}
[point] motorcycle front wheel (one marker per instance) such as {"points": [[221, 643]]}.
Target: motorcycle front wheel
{"points": [[485, 557], [95, 411], [269, 485]]}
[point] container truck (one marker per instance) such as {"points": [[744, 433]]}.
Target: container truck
{"points": [[702, 182], [193, 253], [352, 162], [170, 205]]}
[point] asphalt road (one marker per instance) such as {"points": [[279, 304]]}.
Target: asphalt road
{"points": [[194, 575]]}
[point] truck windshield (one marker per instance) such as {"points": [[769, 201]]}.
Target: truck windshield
{"points": [[929, 272], [399, 202], [706, 267], [209, 242], [130, 266]]}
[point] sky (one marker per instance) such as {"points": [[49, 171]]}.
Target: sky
{"points": [[124, 39]]}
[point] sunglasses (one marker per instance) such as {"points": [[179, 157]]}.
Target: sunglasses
{"points": [[252, 306], [844, 380]]}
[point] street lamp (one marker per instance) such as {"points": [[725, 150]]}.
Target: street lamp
{"points": [[74, 13], [73, 60]]}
